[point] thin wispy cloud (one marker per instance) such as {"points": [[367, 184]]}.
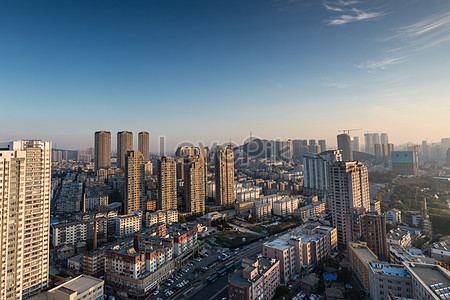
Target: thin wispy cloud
{"points": [[425, 34], [338, 85], [343, 12], [383, 63]]}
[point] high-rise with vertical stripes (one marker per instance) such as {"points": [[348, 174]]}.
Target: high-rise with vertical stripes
{"points": [[25, 179], [144, 144], [124, 144], [102, 145]]}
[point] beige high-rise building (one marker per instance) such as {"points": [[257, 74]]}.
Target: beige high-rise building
{"points": [[194, 184], [349, 189], [224, 168], [167, 184], [25, 179], [124, 144], [102, 145], [144, 144], [135, 198]]}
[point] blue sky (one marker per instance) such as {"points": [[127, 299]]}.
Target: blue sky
{"points": [[216, 70]]}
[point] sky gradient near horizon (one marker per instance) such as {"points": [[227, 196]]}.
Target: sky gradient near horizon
{"points": [[216, 70]]}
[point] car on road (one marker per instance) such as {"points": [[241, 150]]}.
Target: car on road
{"points": [[156, 293]]}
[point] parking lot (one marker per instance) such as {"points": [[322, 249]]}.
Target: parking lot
{"points": [[189, 273]]}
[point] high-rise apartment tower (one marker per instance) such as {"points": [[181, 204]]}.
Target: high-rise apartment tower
{"points": [[349, 188], [144, 144], [167, 184], [124, 144], [25, 179], [224, 168], [102, 145], [345, 145], [135, 186]]}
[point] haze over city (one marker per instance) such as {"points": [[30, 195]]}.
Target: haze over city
{"points": [[213, 71]]}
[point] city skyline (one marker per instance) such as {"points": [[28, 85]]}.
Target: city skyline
{"points": [[284, 69]]}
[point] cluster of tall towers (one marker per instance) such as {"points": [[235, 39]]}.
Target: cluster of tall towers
{"points": [[102, 143], [190, 165]]}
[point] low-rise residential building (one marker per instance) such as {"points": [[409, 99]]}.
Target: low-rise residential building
{"points": [[387, 278], [75, 232], [393, 216], [161, 216], [128, 272], [429, 282], [127, 224], [185, 238], [82, 287], [301, 248], [360, 256], [441, 251], [94, 263], [398, 237], [398, 255], [256, 279], [285, 207]]}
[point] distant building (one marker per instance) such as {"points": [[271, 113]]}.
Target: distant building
{"points": [[144, 144], [393, 216], [384, 139], [102, 146], [316, 174], [399, 237], [83, 287], [255, 279], [345, 145], [135, 197], [323, 145], [368, 139], [405, 162], [124, 144], [356, 144], [167, 187], [224, 176]]}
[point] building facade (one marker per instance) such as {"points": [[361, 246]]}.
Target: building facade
{"points": [[194, 185], [102, 146], [25, 179], [349, 189], [144, 144], [124, 144], [224, 176], [135, 197], [167, 184]]}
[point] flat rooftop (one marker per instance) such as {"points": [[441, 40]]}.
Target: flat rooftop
{"points": [[364, 253], [431, 274], [79, 284]]}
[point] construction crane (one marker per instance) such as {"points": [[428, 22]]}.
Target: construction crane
{"points": [[347, 131]]}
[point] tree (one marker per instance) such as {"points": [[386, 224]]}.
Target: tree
{"points": [[182, 219], [344, 275], [114, 196], [282, 291], [321, 286]]}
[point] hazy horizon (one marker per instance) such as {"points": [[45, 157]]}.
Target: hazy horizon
{"points": [[214, 71]]}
